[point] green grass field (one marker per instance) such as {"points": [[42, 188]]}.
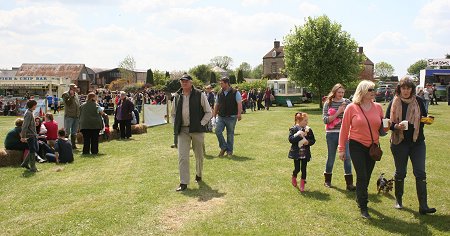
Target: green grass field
{"points": [[129, 188]]}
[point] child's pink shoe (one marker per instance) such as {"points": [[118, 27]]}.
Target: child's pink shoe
{"points": [[302, 185], [294, 181]]}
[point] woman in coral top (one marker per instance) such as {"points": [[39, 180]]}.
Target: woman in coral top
{"points": [[355, 129]]}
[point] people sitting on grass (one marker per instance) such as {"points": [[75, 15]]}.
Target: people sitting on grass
{"points": [[63, 149], [52, 129], [44, 148], [12, 140]]}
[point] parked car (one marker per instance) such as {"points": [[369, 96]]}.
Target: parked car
{"points": [[380, 95], [441, 92]]}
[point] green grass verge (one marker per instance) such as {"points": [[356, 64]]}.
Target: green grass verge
{"points": [[129, 189]]}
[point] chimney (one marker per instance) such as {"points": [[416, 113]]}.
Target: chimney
{"points": [[276, 44], [360, 50]]}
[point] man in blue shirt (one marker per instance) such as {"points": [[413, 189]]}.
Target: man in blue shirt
{"points": [[228, 107], [49, 101]]}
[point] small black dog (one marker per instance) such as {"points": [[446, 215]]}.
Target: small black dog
{"points": [[384, 185]]}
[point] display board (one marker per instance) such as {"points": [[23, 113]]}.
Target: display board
{"points": [[155, 114]]}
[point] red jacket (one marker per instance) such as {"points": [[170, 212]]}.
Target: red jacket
{"points": [[52, 130]]}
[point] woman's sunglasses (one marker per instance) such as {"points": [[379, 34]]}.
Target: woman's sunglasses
{"points": [[370, 90]]}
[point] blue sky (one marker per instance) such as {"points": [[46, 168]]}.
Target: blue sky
{"points": [[173, 35]]}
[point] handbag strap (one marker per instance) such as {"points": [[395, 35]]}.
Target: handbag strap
{"points": [[370, 129]]}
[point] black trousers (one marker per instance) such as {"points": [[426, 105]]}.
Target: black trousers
{"points": [[125, 128], [363, 165], [90, 140], [300, 165]]}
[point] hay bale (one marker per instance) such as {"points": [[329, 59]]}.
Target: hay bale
{"points": [[138, 129], [10, 157], [79, 137], [114, 134]]}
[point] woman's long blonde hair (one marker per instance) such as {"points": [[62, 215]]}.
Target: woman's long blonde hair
{"points": [[333, 92], [361, 90]]}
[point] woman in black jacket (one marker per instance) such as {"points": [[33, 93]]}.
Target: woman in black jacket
{"points": [[90, 124], [408, 140], [124, 116]]}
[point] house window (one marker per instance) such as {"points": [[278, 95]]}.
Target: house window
{"points": [[274, 68]]}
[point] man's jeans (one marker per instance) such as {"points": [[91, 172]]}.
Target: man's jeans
{"points": [[229, 123], [332, 143], [71, 125]]}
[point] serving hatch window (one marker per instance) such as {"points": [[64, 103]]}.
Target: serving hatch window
{"points": [[293, 88]]}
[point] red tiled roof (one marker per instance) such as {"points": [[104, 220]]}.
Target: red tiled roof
{"points": [[279, 50], [71, 71]]}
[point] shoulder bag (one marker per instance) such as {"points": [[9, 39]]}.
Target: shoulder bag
{"points": [[375, 151]]}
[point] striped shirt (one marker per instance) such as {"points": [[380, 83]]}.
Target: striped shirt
{"points": [[325, 117]]}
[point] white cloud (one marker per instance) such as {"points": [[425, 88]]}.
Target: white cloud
{"points": [[390, 41], [434, 20], [250, 3], [151, 5], [309, 9]]}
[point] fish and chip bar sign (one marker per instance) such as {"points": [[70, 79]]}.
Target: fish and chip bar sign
{"points": [[27, 78], [438, 62]]}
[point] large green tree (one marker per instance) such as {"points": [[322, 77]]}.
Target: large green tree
{"points": [[223, 62], [149, 78], [320, 54], [201, 72], [414, 69], [383, 70], [213, 78], [246, 69], [257, 72], [127, 69], [240, 76]]}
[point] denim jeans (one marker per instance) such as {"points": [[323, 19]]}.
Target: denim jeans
{"points": [[363, 167], [332, 143], [229, 123], [71, 125], [416, 152]]}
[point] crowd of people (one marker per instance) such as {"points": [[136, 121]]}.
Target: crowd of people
{"points": [[353, 130], [40, 139]]}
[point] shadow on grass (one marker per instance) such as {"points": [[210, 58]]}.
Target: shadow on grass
{"points": [[348, 194], [440, 222], [316, 195], [204, 192], [92, 155], [28, 174], [231, 158], [374, 197], [396, 226]]}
